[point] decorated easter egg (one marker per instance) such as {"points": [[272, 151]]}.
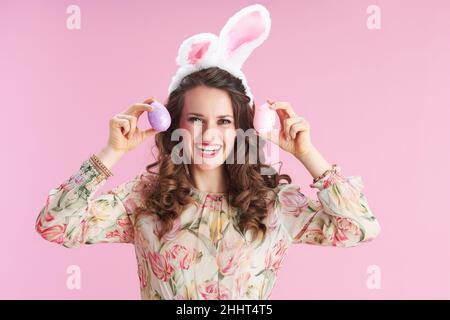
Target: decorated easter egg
{"points": [[265, 118], [159, 117]]}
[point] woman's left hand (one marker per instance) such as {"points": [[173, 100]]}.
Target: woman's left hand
{"points": [[294, 134]]}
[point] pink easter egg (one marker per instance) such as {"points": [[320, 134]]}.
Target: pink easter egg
{"points": [[265, 118], [159, 117]]}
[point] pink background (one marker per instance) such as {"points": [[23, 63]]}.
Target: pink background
{"points": [[377, 101]]}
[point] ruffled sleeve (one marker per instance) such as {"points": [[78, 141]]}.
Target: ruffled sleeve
{"points": [[339, 217], [72, 216]]}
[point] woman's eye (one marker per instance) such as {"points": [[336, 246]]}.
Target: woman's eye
{"points": [[225, 121], [194, 119], [221, 121]]}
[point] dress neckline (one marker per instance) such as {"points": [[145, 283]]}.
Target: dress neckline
{"points": [[205, 196], [198, 191]]}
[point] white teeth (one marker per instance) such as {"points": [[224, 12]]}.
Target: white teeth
{"points": [[212, 149], [209, 150]]}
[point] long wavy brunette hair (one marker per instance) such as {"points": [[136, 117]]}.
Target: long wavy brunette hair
{"points": [[248, 189]]}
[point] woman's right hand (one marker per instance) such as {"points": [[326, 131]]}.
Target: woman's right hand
{"points": [[124, 135]]}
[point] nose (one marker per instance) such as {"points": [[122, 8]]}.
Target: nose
{"points": [[210, 133]]}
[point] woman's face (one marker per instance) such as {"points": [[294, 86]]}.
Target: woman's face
{"points": [[208, 117]]}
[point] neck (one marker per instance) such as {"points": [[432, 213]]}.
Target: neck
{"points": [[209, 180]]}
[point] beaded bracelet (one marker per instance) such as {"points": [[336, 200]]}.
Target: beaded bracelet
{"points": [[100, 166], [332, 169]]}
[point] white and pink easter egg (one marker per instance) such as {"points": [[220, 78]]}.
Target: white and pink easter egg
{"points": [[265, 118]]}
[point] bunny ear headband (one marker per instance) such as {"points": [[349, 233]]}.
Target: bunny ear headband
{"points": [[244, 32]]}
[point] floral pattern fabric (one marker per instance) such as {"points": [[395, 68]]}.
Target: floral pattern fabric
{"points": [[205, 255]]}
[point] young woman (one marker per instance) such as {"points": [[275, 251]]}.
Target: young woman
{"points": [[211, 229]]}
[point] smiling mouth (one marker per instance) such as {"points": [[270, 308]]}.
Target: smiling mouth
{"points": [[209, 151]]}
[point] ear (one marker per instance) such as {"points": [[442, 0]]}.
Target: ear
{"points": [[244, 31], [198, 48]]}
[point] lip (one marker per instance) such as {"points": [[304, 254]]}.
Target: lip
{"points": [[208, 155]]}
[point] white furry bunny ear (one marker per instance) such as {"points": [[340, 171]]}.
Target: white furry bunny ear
{"points": [[194, 53], [197, 49], [244, 32]]}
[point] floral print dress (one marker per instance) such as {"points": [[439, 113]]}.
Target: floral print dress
{"points": [[205, 256]]}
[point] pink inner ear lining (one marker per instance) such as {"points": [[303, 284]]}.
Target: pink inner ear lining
{"points": [[247, 29], [197, 51]]}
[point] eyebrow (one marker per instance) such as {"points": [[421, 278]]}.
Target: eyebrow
{"points": [[200, 115]]}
